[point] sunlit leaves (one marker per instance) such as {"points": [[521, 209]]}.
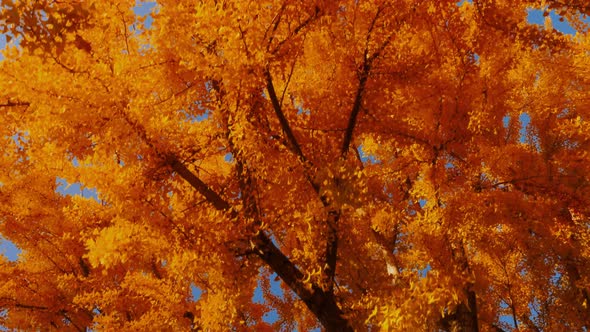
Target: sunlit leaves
{"points": [[462, 197]]}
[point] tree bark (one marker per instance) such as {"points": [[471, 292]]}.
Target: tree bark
{"points": [[321, 303]]}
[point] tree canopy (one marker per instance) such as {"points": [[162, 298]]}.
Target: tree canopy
{"points": [[401, 165]]}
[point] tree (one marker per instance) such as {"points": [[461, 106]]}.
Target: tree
{"points": [[397, 165]]}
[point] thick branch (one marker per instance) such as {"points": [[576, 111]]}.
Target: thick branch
{"points": [[276, 104], [13, 104], [323, 305], [293, 144], [468, 313], [464, 318], [332, 247], [368, 61], [16, 304], [356, 107], [332, 243], [277, 21], [333, 215], [29, 306], [212, 197]]}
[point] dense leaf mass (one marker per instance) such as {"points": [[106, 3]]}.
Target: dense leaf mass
{"points": [[401, 165]]}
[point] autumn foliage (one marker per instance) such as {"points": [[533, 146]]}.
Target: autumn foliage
{"points": [[397, 165]]}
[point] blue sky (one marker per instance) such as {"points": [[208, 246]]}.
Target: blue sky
{"points": [[536, 17]]}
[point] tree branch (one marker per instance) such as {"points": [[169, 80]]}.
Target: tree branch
{"points": [[322, 304], [13, 104], [356, 107], [276, 104], [332, 243], [297, 29], [276, 20], [22, 305], [333, 214], [292, 140], [364, 75], [217, 201], [332, 247]]}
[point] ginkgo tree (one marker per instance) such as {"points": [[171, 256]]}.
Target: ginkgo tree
{"points": [[372, 156]]}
